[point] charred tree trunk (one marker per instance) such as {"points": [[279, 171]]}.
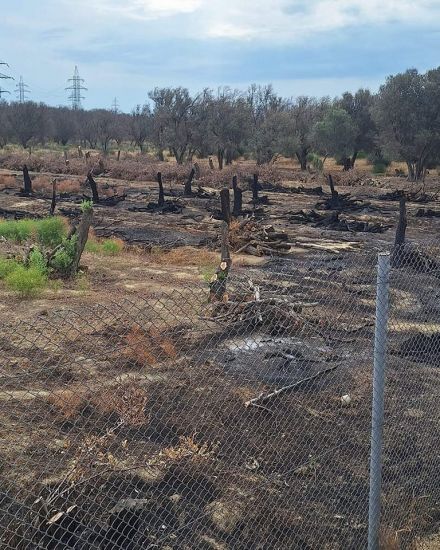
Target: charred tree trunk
{"points": [[118, 156], [225, 205], [27, 190], [302, 159], [398, 255], [353, 159], [160, 155], [238, 198], [94, 188], [402, 224], [211, 164], [346, 163], [161, 201], [54, 197], [255, 197], [188, 183], [82, 234], [335, 194], [228, 157], [220, 157]]}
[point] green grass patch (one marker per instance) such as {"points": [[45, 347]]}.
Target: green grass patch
{"points": [[26, 281], [7, 266], [48, 231], [107, 247]]}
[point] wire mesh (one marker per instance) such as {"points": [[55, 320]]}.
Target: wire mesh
{"points": [[170, 420]]}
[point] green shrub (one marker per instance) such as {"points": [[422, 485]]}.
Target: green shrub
{"points": [[37, 260], [63, 258], [86, 205], [378, 158], [379, 168], [7, 266], [111, 247], [26, 282], [50, 231]]}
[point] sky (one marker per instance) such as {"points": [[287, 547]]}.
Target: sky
{"points": [[124, 48]]}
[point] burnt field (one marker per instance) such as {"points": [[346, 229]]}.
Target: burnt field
{"points": [[138, 413]]}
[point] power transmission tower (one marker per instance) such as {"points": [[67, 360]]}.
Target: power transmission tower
{"points": [[76, 88], [115, 105], [22, 90]]}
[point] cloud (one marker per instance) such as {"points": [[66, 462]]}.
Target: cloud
{"points": [[280, 21]]}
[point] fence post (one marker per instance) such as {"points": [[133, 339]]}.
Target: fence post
{"points": [[380, 345]]}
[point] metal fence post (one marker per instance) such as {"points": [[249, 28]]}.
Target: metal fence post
{"points": [[380, 344]]}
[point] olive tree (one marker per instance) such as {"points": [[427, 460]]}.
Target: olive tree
{"points": [[407, 113], [359, 107], [335, 134]]}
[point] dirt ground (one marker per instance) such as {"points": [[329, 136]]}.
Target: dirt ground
{"points": [[123, 393]]}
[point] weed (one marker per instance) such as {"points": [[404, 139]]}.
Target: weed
{"points": [[107, 247], [51, 231], [27, 282], [38, 261], [111, 247], [48, 231], [17, 230], [7, 266]]}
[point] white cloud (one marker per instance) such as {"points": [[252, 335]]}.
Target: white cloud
{"points": [[274, 20]]}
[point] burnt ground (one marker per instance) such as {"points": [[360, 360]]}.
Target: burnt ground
{"points": [[124, 393]]}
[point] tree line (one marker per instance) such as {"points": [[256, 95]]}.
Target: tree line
{"points": [[400, 122]]}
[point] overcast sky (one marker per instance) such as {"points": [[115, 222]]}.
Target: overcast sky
{"points": [[123, 48]]}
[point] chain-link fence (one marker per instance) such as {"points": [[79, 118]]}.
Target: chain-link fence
{"points": [[173, 421]]}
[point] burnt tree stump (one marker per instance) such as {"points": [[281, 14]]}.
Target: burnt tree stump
{"points": [[94, 188], [27, 190], [161, 201], [54, 198], [255, 196], [225, 205], [188, 183], [238, 198]]}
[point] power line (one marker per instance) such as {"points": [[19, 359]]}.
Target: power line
{"points": [[76, 88], [3, 91], [22, 90], [5, 76]]}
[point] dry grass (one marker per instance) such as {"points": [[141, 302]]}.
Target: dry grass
{"points": [[185, 256], [388, 539], [188, 448], [127, 401], [68, 186], [149, 348], [68, 403], [7, 181]]}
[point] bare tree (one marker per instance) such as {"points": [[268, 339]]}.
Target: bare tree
{"points": [[140, 125], [173, 115]]}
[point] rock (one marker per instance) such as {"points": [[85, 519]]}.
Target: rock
{"points": [[225, 515]]}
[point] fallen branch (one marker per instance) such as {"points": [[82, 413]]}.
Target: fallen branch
{"points": [[263, 398]]}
